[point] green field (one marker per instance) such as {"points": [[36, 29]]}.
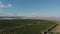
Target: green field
{"points": [[24, 26]]}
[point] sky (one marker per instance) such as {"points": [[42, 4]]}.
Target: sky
{"points": [[30, 8]]}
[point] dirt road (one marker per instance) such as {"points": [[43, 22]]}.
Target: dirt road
{"points": [[57, 28]]}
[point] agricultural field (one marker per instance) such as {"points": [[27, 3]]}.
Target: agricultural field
{"points": [[24, 26]]}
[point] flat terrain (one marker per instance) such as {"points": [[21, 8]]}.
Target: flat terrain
{"points": [[25, 26]]}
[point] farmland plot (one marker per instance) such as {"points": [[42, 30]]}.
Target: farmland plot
{"points": [[25, 26]]}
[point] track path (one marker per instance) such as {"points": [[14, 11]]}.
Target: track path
{"points": [[57, 28]]}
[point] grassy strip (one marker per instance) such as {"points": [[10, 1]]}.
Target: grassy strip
{"points": [[48, 30], [51, 27]]}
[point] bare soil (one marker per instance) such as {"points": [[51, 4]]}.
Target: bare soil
{"points": [[57, 28]]}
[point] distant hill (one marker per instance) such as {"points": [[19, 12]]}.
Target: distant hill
{"points": [[24, 17]]}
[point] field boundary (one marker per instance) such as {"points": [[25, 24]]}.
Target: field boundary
{"points": [[48, 29]]}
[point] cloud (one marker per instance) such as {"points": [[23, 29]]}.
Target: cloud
{"points": [[9, 5], [6, 6], [37, 15], [0, 2], [6, 13], [33, 15]]}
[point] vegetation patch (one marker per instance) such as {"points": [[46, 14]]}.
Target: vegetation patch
{"points": [[25, 26]]}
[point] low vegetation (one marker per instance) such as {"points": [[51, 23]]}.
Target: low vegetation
{"points": [[24, 26]]}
